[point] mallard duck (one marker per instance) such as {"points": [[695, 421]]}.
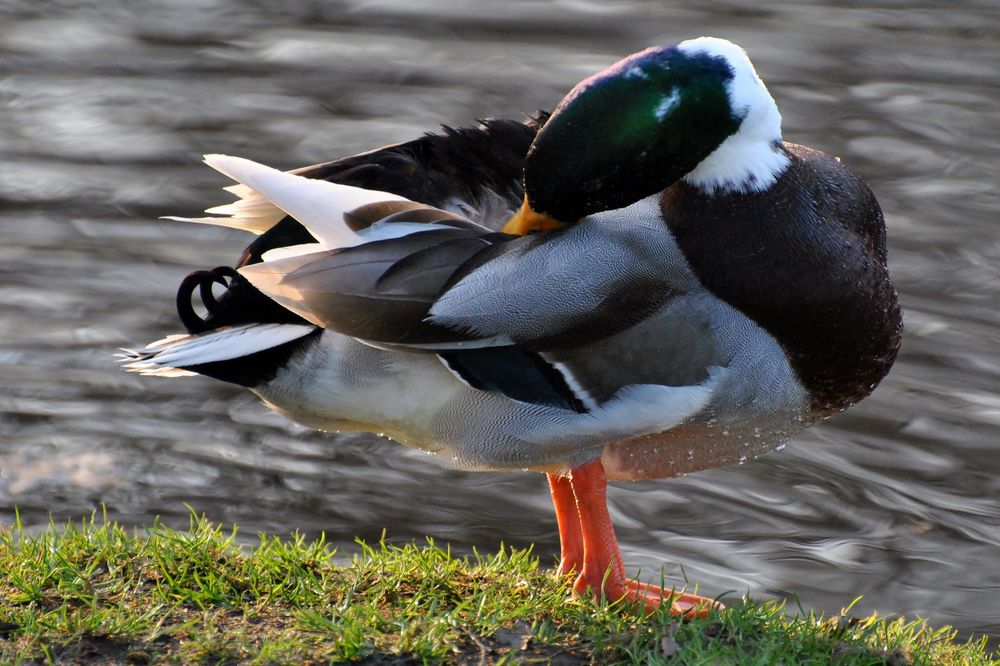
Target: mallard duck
{"points": [[645, 283]]}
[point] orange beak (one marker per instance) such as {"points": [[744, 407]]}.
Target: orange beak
{"points": [[526, 221]]}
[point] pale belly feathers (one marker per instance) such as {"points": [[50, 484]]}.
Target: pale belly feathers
{"points": [[744, 405]]}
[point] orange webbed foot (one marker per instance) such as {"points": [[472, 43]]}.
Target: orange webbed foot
{"points": [[616, 587], [590, 549], [688, 606]]}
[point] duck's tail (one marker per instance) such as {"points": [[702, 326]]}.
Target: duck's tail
{"points": [[222, 353], [266, 195]]}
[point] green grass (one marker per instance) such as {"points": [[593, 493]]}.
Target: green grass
{"points": [[98, 593]]}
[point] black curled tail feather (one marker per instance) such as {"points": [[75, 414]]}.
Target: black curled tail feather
{"points": [[203, 281], [240, 303]]}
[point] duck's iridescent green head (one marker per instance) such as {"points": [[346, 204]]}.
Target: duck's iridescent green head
{"points": [[650, 120]]}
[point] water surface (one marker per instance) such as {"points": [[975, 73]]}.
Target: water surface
{"points": [[106, 109]]}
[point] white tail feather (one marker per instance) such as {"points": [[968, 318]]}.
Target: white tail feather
{"points": [[279, 253], [242, 191], [319, 205], [254, 226], [253, 212], [168, 357], [377, 231]]}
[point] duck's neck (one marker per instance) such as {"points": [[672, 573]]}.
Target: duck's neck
{"points": [[752, 158], [740, 165]]}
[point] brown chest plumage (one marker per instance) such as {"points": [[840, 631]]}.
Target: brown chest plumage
{"points": [[806, 260]]}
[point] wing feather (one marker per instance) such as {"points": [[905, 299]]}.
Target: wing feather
{"points": [[564, 288], [379, 291], [451, 284]]}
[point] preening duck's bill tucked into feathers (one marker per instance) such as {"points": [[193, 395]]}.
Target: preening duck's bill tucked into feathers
{"points": [[678, 289], [696, 111]]}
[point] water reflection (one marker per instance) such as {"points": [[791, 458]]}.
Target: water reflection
{"points": [[106, 110]]}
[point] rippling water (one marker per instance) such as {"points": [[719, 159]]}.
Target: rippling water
{"points": [[107, 108]]}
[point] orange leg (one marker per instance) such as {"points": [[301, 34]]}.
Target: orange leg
{"points": [[568, 519], [590, 547]]}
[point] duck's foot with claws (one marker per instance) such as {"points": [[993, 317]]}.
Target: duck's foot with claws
{"points": [[590, 549]]}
